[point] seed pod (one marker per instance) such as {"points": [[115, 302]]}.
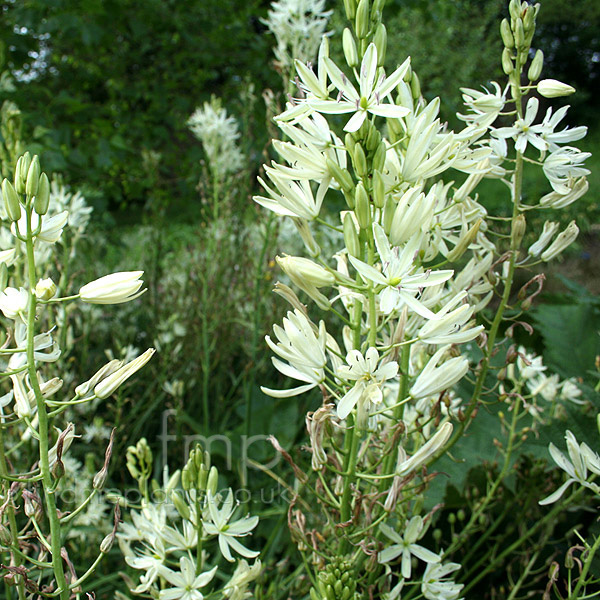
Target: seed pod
{"points": [[11, 201], [362, 19], [42, 197], [359, 160], [349, 46], [506, 34], [107, 543], [362, 209], [380, 41], [33, 177]]}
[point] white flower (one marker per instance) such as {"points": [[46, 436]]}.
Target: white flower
{"points": [[563, 239], [399, 275], [406, 545], [114, 288], [13, 302], [568, 134], [303, 349], [185, 584], [562, 166], [582, 458], [523, 131], [41, 342], [550, 228], [229, 532], [433, 379], [436, 586], [51, 229], [370, 95], [428, 449], [486, 106], [109, 385], [242, 576], [577, 188], [369, 378], [569, 391]]}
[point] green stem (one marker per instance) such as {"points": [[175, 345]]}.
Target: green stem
{"points": [[10, 511], [351, 448], [586, 567], [47, 482]]}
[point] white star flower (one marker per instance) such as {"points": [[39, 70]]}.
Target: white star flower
{"points": [[185, 584], [368, 99]]}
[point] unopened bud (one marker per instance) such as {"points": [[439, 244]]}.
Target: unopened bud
{"points": [[351, 236], [535, 68], [362, 19], [564, 239], [389, 210], [107, 543], [380, 41], [5, 537], [518, 230], [415, 86], [342, 176], [551, 88], [362, 209], [45, 289], [304, 271], [378, 189], [11, 201], [507, 63], [519, 32], [350, 8], [33, 177], [181, 506], [379, 157], [21, 171], [373, 139], [42, 198], [529, 20], [213, 481], [359, 160], [506, 34], [514, 9], [349, 46], [3, 276]]}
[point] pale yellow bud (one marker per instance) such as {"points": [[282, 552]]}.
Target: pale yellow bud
{"points": [[551, 88]]}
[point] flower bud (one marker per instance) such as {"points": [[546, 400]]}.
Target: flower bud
{"points": [[351, 236], [464, 241], [109, 385], [341, 176], [507, 63], [33, 177], [551, 88], [519, 32], [350, 8], [514, 9], [535, 68], [5, 537], [564, 239], [213, 481], [359, 160], [377, 10], [389, 210], [380, 41], [379, 157], [180, 504], [518, 230], [42, 198], [305, 271], [21, 171], [506, 34], [307, 237], [362, 19], [115, 288], [529, 20], [349, 46], [45, 289], [363, 208], [107, 543], [3, 276], [415, 86], [373, 139], [11, 201], [378, 189]]}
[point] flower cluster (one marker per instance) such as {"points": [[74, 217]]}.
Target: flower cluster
{"points": [[169, 537]]}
